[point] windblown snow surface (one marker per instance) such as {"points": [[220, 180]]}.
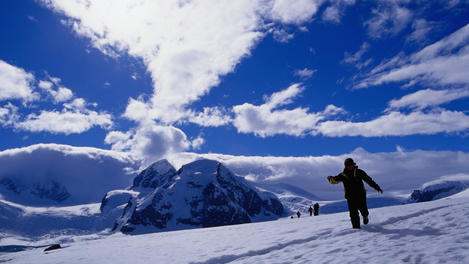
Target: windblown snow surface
{"points": [[429, 232]]}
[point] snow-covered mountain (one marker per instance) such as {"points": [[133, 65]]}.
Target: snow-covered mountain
{"points": [[203, 193]]}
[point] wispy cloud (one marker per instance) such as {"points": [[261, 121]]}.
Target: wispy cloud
{"points": [[421, 28], [281, 35], [442, 63], [388, 18], [59, 94], [32, 18], [335, 11], [305, 73], [268, 120], [398, 124], [16, 83], [428, 98], [356, 59], [8, 114], [74, 118]]}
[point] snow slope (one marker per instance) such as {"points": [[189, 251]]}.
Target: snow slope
{"points": [[430, 232]]}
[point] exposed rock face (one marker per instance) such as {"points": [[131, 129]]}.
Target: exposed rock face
{"points": [[203, 193]]}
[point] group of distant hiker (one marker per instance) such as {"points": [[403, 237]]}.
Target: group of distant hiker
{"points": [[315, 208], [355, 193]]}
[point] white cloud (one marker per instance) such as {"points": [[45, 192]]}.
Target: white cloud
{"points": [[421, 28], [267, 120], [357, 58], [210, 117], [197, 143], [331, 14], [284, 97], [74, 118], [305, 73], [335, 11], [281, 35], [137, 110], [389, 18], [442, 63], [263, 122], [32, 18], [294, 11], [428, 98], [8, 114], [59, 94], [398, 124], [150, 142], [16, 83]]}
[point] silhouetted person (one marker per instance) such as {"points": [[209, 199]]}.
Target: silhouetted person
{"points": [[316, 209], [310, 210], [298, 214], [352, 178]]}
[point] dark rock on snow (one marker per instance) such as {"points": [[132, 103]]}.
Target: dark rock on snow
{"points": [[53, 247]]}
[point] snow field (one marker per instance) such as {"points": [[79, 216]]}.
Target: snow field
{"points": [[431, 232]]}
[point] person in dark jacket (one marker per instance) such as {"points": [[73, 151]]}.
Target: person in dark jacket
{"points": [[310, 210], [316, 209], [352, 177], [298, 214]]}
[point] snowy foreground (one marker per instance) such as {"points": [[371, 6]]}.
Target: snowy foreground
{"points": [[430, 232]]}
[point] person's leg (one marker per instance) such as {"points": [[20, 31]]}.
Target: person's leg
{"points": [[362, 206], [353, 211]]}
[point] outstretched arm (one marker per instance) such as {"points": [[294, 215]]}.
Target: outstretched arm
{"points": [[335, 179], [370, 182]]}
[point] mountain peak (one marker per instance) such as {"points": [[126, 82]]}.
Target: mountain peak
{"points": [[154, 175]]}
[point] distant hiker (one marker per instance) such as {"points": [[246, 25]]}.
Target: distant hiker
{"points": [[316, 209], [298, 214], [352, 178], [310, 210]]}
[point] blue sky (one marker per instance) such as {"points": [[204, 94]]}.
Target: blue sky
{"points": [[282, 78]]}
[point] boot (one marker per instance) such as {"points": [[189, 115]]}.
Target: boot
{"points": [[365, 220]]}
